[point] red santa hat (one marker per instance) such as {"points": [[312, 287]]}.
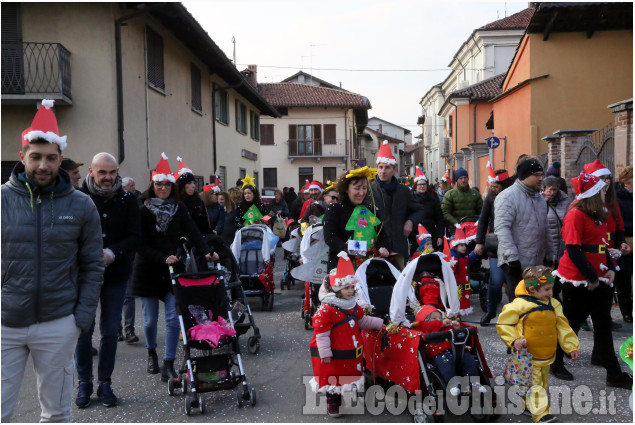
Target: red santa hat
{"points": [[183, 169], [344, 274], [446, 249], [425, 311], [493, 177], [419, 175], [446, 177], [212, 187], [305, 189], [44, 126], [586, 185], [163, 173], [459, 236], [316, 185], [384, 156], [597, 169], [423, 233]]}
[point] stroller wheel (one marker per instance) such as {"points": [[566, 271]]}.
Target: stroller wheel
{"points": [[171, 386], [252, 397], [239, 397], [253, 344], [201, 403], [188, 404]]}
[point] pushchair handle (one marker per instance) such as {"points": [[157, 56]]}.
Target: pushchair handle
{"points": [[232, 285], [454, 334]]}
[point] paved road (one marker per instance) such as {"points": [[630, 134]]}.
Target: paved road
{"points": [[277, 371]]}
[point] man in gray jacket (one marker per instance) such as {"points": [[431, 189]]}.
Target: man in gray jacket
{"points": [[520, 222], [52, 270]]}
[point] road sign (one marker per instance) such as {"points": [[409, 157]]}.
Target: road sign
{"points": [[493, 142]]}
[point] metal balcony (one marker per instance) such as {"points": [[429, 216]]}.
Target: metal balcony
{"points": [[316, 148], [35, 71]]}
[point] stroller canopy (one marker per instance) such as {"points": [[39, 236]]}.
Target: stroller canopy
{"points": [[403, 290], [269, 241], [363, 298]]}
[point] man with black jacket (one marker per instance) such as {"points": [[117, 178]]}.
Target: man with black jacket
{"points": [[52, 270], [393, 203], [120, 231]]}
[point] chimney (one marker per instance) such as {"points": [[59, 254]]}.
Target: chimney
{"points": [[380, 129], [251, 74]]}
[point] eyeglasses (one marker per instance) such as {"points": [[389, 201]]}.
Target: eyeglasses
{"points": [[162, 184], [539, 174]]}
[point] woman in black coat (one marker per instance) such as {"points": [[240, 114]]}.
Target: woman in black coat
{"points": [[430, 216], [250, 197], [623, 278], [352, 192], [195, 206], [164, 220]]}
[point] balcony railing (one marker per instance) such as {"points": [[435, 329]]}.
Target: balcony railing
{"points": [[316, 148], [32, 70]]}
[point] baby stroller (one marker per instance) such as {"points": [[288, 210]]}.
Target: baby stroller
{"points": [[254, 249], [291, 248], [399, 358], [478, 273], [313, 270], [226, 264], [376, 278], [201, 302]]}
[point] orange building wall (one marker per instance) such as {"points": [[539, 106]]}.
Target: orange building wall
{"points": [[585, 76], [482, 182], [512, 119], [483, 111], [520, 69], [465, 116]]}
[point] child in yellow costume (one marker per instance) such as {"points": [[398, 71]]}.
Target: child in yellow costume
{"points": [[539, 325]]}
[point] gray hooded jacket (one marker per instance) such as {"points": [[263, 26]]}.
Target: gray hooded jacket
{"points": [[52, 259], [520, 222]]}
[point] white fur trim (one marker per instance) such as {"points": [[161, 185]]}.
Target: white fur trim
{"points": [[342, 282], [357, 386], [48, 103], [163, 177], [315, 186], [466, 311], [601, 172], [178, 158], [164, 156], [456, 242], [184, 171], [49, 136], [576, 282], [344, 255], [592, 191], [421, 177], [216, 189], [389, 161], [603, 267]]}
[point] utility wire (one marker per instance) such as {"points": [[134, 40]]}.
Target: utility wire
{"points": [[363, 70]]}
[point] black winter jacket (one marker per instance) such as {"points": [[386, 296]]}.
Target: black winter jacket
{"points": [[429, 215], [52, 258], [625, 201], [198, 212], [120, 231], [393, 211], [150, 275]]}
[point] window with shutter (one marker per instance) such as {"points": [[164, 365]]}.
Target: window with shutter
{"points": [[329, 174], [266, 134], [293, 139], [329, 134], [196, 88], [12, 68], [221, 105], [254, 119], [317, 139], [270, 176], [154, 53], [241, 117]]}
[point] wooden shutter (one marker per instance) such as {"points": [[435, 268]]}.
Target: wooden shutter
{"points": [[196, 88], [317, 139], [155, 59], [266, 134], [12, 61], [329, 134], [293, 139]]}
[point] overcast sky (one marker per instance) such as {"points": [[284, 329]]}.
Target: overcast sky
{"points": [[362, 35]]}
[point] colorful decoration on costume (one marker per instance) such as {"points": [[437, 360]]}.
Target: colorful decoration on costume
{"points": [[248, 181], [626, 352], [252, 216], [408, 180], [362, 222], [330, 185], [365, 171]]}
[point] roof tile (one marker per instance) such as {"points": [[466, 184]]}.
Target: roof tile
{"points": [[518, 20], [485, 90], [302, 95]]}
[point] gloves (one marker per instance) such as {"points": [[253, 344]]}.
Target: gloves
{"points": [[109, 257]]}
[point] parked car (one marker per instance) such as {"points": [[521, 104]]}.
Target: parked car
{"points": [[267, 194]]}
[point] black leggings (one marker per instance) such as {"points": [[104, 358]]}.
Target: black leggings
{"points": [[577, 303]]}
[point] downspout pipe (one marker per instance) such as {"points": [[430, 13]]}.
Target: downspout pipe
{"points": [[214, 90], [119, 66]]}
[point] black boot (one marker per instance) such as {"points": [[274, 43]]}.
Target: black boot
{"points": [[559, 371], [153, 361], [167, 371], [487, 318]]}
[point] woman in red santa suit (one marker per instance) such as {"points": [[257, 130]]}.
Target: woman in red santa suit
{"points": [[587, 273], [336, 347]]}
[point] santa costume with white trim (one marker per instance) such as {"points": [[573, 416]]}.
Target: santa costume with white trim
{"points": [[337, 336]]}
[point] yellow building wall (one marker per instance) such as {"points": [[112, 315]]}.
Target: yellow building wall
{"points": [[519, 70]]}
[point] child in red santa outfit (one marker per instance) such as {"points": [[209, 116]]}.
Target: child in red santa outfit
{"points": [[460, 262], [429, 319], [336, 346]]}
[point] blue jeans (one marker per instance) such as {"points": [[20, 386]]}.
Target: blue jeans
{"points": [[172, 327], [445, 364], [111, 302], [495, 286]]}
